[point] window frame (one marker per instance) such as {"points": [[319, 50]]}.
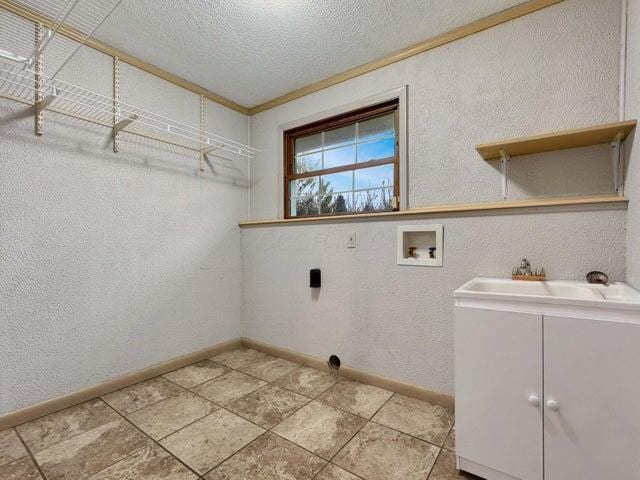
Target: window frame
{"points": [[336, 121]]}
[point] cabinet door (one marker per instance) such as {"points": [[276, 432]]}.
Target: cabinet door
{"points": [[592, 372], [498, 367]]}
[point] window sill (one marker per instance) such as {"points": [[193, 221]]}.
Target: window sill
{"points": [[452, 208]]}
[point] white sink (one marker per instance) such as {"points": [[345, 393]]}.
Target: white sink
{"points": [[616, 295]]}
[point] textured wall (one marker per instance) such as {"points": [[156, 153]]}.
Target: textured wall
{"points": [[111, 262], [393, 320], [632, 184], [555, 69]]}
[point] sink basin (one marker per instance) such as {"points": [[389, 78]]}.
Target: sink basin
{"points": [[519, 287], [616, 295]]}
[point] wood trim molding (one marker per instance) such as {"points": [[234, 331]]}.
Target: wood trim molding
{"points": [[446, 209], [504, 16], [73, 34], [17, 417], [354, 374]]}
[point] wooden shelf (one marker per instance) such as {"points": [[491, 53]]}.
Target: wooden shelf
{"points": [[581, 137], [452, 208]]}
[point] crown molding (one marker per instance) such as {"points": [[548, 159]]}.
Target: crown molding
{"points": [[424, 46]]}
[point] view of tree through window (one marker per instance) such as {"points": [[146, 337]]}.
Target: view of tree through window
{"points": [[347, 166]]}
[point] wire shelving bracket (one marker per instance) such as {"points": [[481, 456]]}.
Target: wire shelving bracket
{"points": [[27, 78]]}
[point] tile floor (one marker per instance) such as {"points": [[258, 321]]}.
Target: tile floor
{"points": [[240, 415]]}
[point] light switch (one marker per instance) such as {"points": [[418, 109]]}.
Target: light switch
{"points": [[351, 241]]}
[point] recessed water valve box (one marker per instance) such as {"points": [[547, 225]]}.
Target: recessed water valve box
{"points": [[420, 245]]}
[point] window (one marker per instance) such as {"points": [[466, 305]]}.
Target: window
{"points": [[343, 165]]}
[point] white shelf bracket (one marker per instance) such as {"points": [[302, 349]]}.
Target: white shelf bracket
{"points": [[45, 37], [118, 127], [616, 162], [504, 165], [45, 102], [208, 150]]}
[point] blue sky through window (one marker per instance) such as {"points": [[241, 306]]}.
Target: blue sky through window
{"points": [[367, 189]]}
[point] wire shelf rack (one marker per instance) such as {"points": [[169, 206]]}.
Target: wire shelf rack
{"points": [[62, 97], [81, 17]]}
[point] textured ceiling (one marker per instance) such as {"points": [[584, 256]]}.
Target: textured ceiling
{"points": [[251, 51]]}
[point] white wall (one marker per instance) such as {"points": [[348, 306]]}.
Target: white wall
{"points": [[554, 69], [111, 262], [633, 154]]}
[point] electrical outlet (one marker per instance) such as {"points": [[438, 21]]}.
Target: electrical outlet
{"points": [[351, 241]]}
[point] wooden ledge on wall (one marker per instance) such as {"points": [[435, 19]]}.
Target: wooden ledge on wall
{"points": [[446, 209]]}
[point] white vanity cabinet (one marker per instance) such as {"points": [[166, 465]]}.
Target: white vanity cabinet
{"points": [[547, 390], [592, 372]]}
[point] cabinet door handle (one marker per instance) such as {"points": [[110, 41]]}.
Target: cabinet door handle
{"points": [[534, 400], [553, 405]]}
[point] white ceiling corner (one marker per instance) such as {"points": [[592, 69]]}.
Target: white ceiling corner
{"points": [[251, 51]]}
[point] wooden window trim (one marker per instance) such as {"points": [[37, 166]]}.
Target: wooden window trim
{"points": [[336, 122]]}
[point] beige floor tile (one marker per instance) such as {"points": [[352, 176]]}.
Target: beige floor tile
{"points": [[11, 447], [450, 442], [320, 428], [268, 368], [268, 406], [268, 458], [379, 453], [149, 463], [22, 469], [445, 468], [307, 381], [229, 387], [171, 414], [88, 453], [415, 417], [195, 374], [332, 472], [236, 358], [57, 427], [209, 441], [142, 395], [354, 397]]}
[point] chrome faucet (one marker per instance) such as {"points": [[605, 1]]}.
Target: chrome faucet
{"points": [[525, 267], [525, 270]]}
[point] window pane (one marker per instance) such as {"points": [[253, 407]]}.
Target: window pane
{"points": [[373, 200], [340, 136], [305, 206], [378, 127], [303, 187], [345, 146], [307, 163], [376, 150], [343, 203], [336, 203], [338, 182], [339, 156], [326, 204], [381, 176], [308, 143]]}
